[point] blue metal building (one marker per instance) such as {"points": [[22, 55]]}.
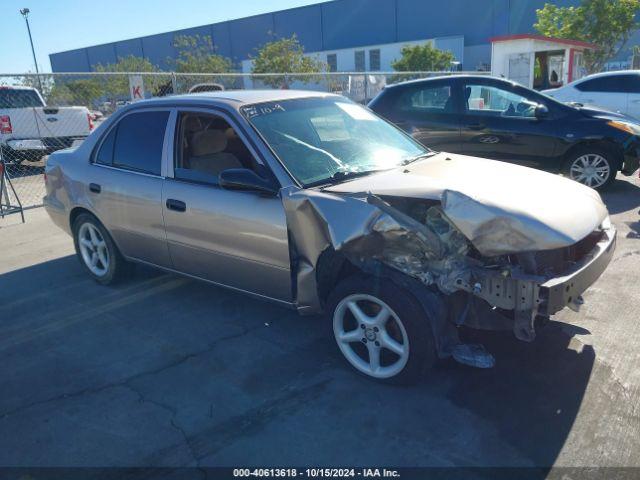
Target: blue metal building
{"points": [[336, 25]]}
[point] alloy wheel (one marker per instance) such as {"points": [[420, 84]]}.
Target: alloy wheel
{"points": [[591, 169], [93, 249], [371, 336]]}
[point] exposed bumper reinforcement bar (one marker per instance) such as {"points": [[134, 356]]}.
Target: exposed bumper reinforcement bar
{"points": [[546, 296]]}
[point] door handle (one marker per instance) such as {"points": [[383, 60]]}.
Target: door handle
{"points": [[635, 101], [95, 188], [176, 205], [476, 126]]}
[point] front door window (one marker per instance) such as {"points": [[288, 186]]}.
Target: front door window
{"points": [[493, 101]]}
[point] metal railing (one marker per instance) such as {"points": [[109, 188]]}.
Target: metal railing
{"points": [[71, 104]]}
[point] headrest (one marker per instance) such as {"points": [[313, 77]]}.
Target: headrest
{"points": [[192, 124], [467, 93], [230, 133], [207, 142]]}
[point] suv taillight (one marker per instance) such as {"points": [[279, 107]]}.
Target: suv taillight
{"points": [[5, 124], [90, 121]]}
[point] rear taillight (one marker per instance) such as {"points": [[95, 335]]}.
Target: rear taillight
{"points": [[5, 124], [90, 121]]}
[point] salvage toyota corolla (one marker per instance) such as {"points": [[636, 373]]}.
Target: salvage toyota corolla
{"points": [[312, 201]]}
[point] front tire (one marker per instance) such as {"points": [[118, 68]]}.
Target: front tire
{"points": [[96, 250], [381, 329], [593, 167]]}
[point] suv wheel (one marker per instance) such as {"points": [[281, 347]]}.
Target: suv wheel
{"points": [[593, 167], [96, 250], [381, 329]]}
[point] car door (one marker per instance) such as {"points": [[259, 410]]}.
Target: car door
{"points": [[500, 122], [230, 237], [608, 91], [125, 184], [429, 111]]}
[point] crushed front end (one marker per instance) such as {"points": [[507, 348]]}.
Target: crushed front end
{"points": [[521, 268]]}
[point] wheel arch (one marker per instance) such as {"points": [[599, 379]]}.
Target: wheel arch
{"points": [[332, 267], [79, 210]]}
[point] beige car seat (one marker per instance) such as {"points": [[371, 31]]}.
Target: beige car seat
{"points": [[208, 153]]}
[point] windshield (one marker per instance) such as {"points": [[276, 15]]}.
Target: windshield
{"points": [[322, 140], [14, 98]]}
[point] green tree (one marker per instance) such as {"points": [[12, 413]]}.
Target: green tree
{"points": [[116, 86], [423, 58], [82, 91], [196, 54], [606, 23], [285, 55], [42, 83]]}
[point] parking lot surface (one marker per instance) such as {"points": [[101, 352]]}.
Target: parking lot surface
{"points": [[166, 371]]}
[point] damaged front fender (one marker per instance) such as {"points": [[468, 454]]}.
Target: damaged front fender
{"points": [[364, 228]]}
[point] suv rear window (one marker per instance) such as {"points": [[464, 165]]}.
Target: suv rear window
{"points": [[14, 98]]}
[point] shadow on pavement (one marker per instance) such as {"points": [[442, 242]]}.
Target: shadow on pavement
{"points": [[527, 404], [621, 196], [534, 392]]}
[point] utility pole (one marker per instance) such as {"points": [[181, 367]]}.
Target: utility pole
{"points": [[25, 14]]}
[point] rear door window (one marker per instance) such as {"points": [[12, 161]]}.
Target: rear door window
{"points": [[139, 140], [634, 84], [427, 99], [610, 84]]}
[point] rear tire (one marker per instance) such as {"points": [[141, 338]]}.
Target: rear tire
{"points": [[592, 166], [97, 252], [381, 329]]}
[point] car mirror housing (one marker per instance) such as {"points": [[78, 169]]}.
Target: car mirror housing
{"points": [[245, 179], [542, 111]]}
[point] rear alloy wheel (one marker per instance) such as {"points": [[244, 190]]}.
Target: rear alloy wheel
{"points": [[381, 329], [93, 249], [96, 250], [593, 168]]}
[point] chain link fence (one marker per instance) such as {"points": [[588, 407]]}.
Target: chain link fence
{"points": [[40, 114]]}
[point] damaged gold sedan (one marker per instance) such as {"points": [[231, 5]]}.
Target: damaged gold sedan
{"points": [[314, 202]]}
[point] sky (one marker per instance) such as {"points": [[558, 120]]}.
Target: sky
{"points": [[59, 25]]}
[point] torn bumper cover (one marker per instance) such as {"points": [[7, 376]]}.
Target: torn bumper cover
{"points": [[437, 249]]}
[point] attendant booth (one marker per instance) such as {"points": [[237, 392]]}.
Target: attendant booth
{"points": [[538, 62]]}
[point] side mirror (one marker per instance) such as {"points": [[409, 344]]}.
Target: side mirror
{"points": [[245, 179], [542, 111]]}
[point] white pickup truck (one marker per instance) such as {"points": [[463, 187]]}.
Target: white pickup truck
{"points": [[29, 129]]}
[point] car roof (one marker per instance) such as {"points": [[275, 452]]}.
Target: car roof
{"points": [[236, 98], [446, 77], [609, 74]]}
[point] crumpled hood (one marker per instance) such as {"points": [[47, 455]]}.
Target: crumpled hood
{"points": [[500, 207]]}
